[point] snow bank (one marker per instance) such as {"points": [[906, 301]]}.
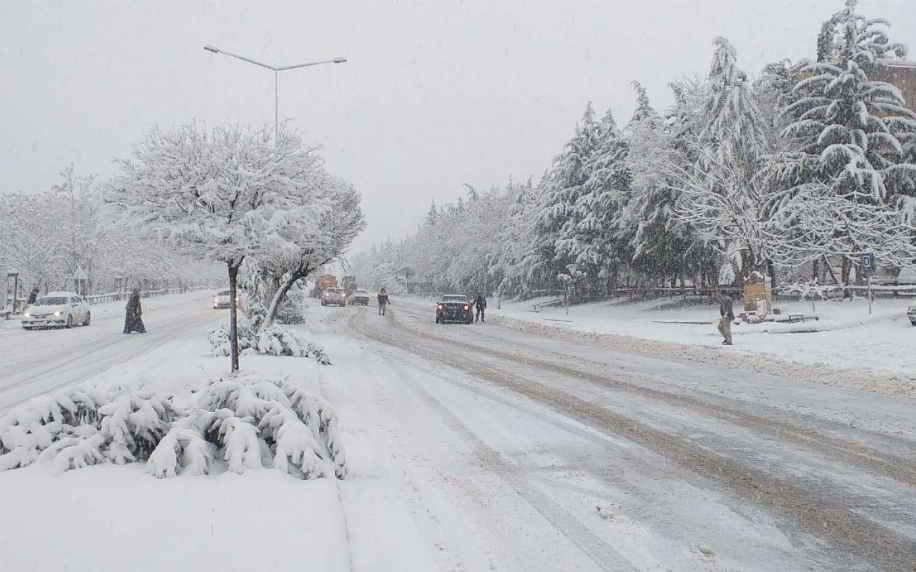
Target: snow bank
{"points": [[244, 422]]}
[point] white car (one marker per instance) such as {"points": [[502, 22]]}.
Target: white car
{"points": [[911, 313], [334, 297], [221, 299], [56, 310]]}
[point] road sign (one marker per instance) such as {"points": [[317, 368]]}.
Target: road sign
{"points": [[79, 273], [868, 263]]}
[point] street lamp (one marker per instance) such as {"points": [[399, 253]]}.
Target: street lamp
{"points": [[276, 70]]}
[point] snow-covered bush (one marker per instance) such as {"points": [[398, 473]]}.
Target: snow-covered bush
{"points": [[252, 422], [276, 340], [243, 422], [76, 428]]}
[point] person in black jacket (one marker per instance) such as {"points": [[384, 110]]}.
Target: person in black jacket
{"points": [[382, 301], [33, 295], [132, 321], [480, 303]]}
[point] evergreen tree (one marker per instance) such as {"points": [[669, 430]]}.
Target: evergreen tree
{"points": [[563, 186], [841, 184]]}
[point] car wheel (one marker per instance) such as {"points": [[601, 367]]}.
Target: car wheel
{"points": [[88, 319], [69, 321]]}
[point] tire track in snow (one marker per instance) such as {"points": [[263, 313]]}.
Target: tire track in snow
{"points": [[863, 457], [597, 549], [809, 506]]}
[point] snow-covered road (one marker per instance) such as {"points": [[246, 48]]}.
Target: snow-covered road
{"points": [[35, 362], [519, 452], [478, 448]]}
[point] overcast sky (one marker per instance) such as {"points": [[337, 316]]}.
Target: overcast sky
{"points": [[434, 95]]}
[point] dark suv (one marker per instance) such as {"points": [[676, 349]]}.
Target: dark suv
{"points": [[454, 308]]}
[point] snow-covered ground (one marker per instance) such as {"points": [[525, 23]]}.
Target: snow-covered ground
{"points": [[844, 345], [486, 447]]}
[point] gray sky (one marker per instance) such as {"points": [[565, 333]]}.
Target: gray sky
{"points": [[435, 94]]}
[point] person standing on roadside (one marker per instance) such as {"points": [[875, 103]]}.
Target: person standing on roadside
{"points": [[382, 301], [33, 295], [133, 321], [480, 303], [726, 315]]}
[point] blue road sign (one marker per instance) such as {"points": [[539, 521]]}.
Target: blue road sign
{"points": [[868, 263]]}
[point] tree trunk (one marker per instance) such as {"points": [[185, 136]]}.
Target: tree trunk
{"points": [[830, 270], [281, 290], [275, 303], [845, 274], [233, 316]]}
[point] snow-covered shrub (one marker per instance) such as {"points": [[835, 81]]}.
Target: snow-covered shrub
{"points": [[246, 422], [291, 310], [75, 428], [184, 447], [275, 340], [255, 421]]}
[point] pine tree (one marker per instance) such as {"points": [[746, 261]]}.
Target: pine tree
{"points": [[837, 200], [563, 186], [588, 237]]}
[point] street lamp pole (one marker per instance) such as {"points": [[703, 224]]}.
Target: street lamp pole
{"points": [[276, 70]]}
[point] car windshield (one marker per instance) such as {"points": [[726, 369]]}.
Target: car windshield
{"points": [[360, 293], [51, 301], [455, 299], [223, 293]]}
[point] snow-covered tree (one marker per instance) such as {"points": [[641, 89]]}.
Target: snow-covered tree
{"points": [[313, 237], [29, 237], [221, 193], [564, 184], [589, 237], [848, 129]]}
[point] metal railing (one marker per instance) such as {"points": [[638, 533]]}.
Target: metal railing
{"points": [[115, 296]]}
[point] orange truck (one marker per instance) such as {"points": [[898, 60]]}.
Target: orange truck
{"points": [[326, 281]]}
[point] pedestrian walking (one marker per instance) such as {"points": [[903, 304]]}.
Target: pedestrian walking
{"points": [[726, 315], [382, 301], [133, 322], [33, 295], [480, 303]]}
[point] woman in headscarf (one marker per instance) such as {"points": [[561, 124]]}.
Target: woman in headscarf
{"points": [[133, 322]]}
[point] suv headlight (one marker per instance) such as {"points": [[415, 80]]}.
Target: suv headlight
{"points": [[57, 313], [27, 315]]}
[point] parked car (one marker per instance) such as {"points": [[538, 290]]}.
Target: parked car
{"points": [[454, 308], [57, 310], [334, 297], [911, 313], [359, 297]]}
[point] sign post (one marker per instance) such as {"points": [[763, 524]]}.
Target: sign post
{"points": [[79, 276], [868, 268]]}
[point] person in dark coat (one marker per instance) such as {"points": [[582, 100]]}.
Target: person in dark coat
{"points": [[480, 302], [382, 301], [726, 315], [33, 295], [132, 321]]}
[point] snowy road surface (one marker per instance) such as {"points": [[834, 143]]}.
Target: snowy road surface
{"points": [[36, 362], [483, 448], [559, 456]]}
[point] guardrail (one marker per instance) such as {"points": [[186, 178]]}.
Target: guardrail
{"points": [[114, 297]]}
